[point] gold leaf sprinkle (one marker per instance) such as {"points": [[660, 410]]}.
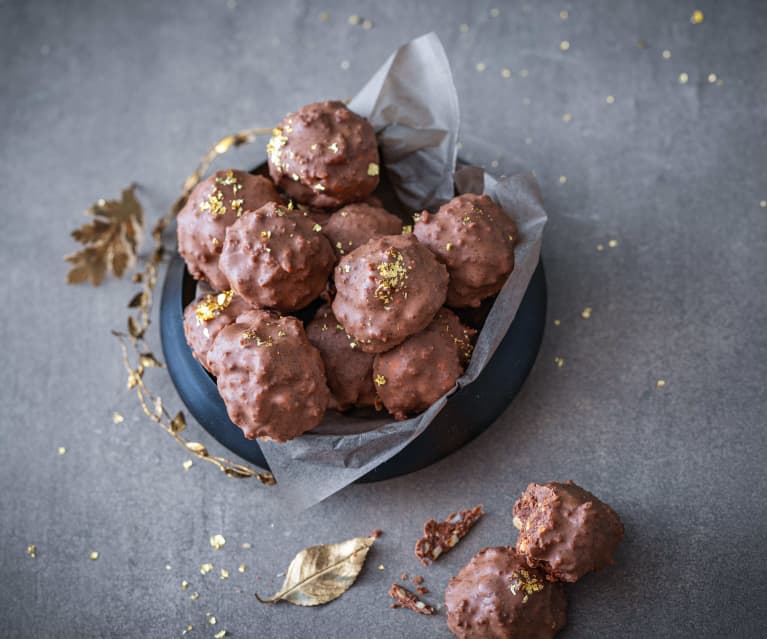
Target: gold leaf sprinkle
{"points": [[600, 247], [712, 78], [319, 187], [481, 66], [346, 268], [217, 541], [117, 418], [562, 179], [683, 78], [276, 142], [666, 54], [266, 234], [381, 567], [448, 246], [392, 276], [524, 581], [372, 169], [354, 20], [586, 312], [251, 336], [660, 383], [380, 380], [407, 228], [763, 204], [242, 568], [211, 306], [32, 551], [564, 45], [333, 147], [61, 450], [184, 584], [187, 629], [187, 464], [696, 17], [316, 228], [612, 243], [221, 634], [94, 555], [559, 361], [557, 322], [610, 99], [367, 24], [224, 573], [246, 545], [567, 117], [212, 620], [206, 568], [506, 73], [194, 596]]}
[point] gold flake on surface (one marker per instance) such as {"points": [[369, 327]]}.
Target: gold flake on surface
{"points": [[212, 619], [206, 568], [697, 17], [117, 418], [221, 634], [251, 336], [32, 551], [61, 450], [224, 573], [562, 179], [217, 541], [187, 464], [567, 117], [94, 555], [666, 53], [184, 584], [186, 630], [381, 567], [586, 312], [600, 247], [610, 99], [660, 383], [380, 380], [242, 568], [373, 169], [763, 204], [316, 228], [564, 45], [506, 73], [194, 596], [683, 78], [211, 306], [525, 582], [354, 20], [712, 78], [481, 66], [559, 361], [276, 142], [612, 243], [367, 24], [557, 322], [407, 228], [448, 246], [392, 276]]}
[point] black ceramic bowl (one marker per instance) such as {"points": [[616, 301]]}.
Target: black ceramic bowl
{"points": [[467, 413]]}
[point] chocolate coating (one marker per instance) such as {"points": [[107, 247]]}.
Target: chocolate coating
{"points": [[349, 370], [324, 155], [270, 377], [353, 225], [565, 530], [276, 258], [205, 317], [413, 375], [498, 596], [215, 204], [475, 239], [387, 290]]}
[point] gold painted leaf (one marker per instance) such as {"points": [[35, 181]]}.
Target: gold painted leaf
{"points": [[177, 424], [320, 574], [110, 241]]}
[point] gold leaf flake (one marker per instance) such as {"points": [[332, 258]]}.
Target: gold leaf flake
{"points": [[373, 169], [246, 545], [94, 555], [407, 228], [32, 551], [316, 228], [221, 634], [211, 306], [660, 383], [380, 380], [610, 99], [763, 204], [205, 568], [600, 247], [110, 241], [242, 568], [217, 541], [381, 567], [564, 45], [666, 54], [224, 573], [586, 312], [557, 322], [320, 574], [506, 73], [333, 147], [683, 78], [367, 24], [697, 17], [354, 20], [481, 66], [187, 464], [117, 418], [149, 361], [184, 584], [612, 243], [712, 78], [187, 629], [448, 246], [212, 620], [567, 117], [559, 361], [194, 596], [562, 179]]}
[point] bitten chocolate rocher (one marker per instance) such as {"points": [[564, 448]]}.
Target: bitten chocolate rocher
{"points": [[275, 258], [206, 316], [353, 225], [498, 596], [475, 239], [565, 530], [324, 155], [387, 290], [272, 380], [215, 204], [349, 370], [414, 374]]}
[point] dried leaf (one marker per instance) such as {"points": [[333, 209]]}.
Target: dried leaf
{"points": [[320, 574], [109, 242], [177, 424]]}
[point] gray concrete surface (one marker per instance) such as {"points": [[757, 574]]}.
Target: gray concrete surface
{"points": [[96, 94]]}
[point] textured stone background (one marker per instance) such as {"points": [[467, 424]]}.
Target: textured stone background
{"points": [[96, 94]]}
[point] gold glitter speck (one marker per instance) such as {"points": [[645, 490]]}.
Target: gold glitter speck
{"points": [[61, 450], [610, 99], [206, 568], [194, 596], [660, 383], [562, 179], [448, 246], [557, 322], [712, 78], [763, 204], [407, 228], [224, 573], [380, 380], [586, 312], [612, 243], [334, 147], [251, 336], [697, 17], [187, 464], [506, 73], [373, 169], [367, 24], [316, 228], [600, 247], [564, 45], [392, 276], [559, 361], [184, 584], [683, 78], [242, 568], [567, 117], [94, 555], [666, 54], [354, 20], [481, 66], [117, 418], [220, 634], [217, 541], [525, 582], [32, 550]]}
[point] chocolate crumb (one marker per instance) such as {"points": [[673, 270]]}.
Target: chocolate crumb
{"points": [[422, 590], [440, 537], [403, 598]]}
